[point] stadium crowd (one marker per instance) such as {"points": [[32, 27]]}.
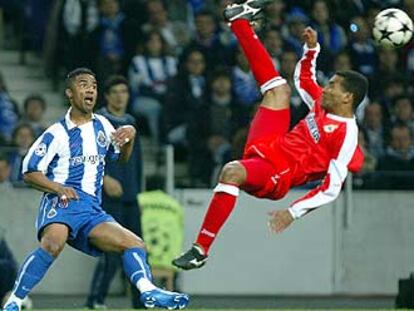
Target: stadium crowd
{"points": [[191, 85]]}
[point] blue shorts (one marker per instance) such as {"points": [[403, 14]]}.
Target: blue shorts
{"points": [[81, 216]]}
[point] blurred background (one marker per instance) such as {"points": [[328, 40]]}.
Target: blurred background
{"points": [[193, 96]]}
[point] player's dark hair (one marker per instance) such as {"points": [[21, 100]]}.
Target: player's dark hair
{"points": [[34, 97], [355, 83], [71, 76], [114, 80]]}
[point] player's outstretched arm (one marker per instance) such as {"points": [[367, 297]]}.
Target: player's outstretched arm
{"points": [[305, 72], [124, 138]]}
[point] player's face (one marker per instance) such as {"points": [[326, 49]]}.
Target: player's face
{"points": [[118, 97], [333, 94], [82, 93]]}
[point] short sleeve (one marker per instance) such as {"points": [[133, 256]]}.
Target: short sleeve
{"points": [[40, 154]]}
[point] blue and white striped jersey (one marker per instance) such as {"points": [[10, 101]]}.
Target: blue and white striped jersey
{"points": [[72, 155]]}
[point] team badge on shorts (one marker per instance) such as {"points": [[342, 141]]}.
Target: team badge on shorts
{"points": [[52, 213], [101, 139], [41, 149]]}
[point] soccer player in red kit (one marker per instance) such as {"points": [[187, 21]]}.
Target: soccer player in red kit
{"points": [[321, 146]]}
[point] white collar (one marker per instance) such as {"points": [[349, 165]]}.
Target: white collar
{"points": [[340, 118], [69, 123]]}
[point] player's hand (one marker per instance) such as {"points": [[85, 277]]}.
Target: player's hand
{"points": [[66, 194], [310, 36], [112, 187], [123, 135], [279, 220]]}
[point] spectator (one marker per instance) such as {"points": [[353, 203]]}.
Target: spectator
{"points": [[185, 93], [69, 27], [113, 42], [399, 155], [370, 162], [109, 40], [388, 65], [23, 138], [9, 115], [362, 48], [148, 75], [330, 35], [4, 173], [158, 20], [274, 44], [287, 69], [121, 184], [403, 112], [244, 85], [207, 40], [373, 126], [34, 109], [211, 130], [292, 34], [275, 14]]}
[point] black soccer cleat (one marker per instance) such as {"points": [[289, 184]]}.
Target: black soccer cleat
{"points": [[194, 258], [249, 10]]}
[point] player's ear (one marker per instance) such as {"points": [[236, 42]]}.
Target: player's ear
{"points": [[349, 98], [68, 93]]}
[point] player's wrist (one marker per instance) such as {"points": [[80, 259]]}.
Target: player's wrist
{"points": [[312, 47]]}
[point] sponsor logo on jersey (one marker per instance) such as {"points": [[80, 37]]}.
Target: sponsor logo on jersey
{"points": [[92, 159], [41, 149], [313, 127], [329, 128], [101, 139]]}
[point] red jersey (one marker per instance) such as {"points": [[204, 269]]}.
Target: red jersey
{"points": [[322, 145]]}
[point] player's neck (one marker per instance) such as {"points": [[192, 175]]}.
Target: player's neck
{"points": [[343, 113], [78, 117]]}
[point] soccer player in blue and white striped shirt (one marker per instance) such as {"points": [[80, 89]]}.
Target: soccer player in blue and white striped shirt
{"points": [[67, 163]]}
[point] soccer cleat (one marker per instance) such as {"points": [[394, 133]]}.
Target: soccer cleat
{"points": [[158, 298], [194, 258], [249, 10], [12, 306]]}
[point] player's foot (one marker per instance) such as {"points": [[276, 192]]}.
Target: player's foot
{"points": [[194, 258], [249, 10], [158, 298], [12, 306]]}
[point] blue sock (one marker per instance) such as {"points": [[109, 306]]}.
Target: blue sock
{"points": [[32, 271], [136, 265]]}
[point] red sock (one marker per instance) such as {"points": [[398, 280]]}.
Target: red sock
{"points": [[259, 59], [218, 211]]}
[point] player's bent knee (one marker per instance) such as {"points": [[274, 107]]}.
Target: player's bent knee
{"points": [[234, 173], [53, 245], [277, 98]]}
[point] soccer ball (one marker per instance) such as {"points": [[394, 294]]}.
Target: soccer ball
{"points": [[392, 28]]}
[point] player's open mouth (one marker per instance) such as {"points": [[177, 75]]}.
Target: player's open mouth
{"points": [[88, 100]]}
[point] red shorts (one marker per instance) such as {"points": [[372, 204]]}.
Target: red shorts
{"points": [[265, 178]]}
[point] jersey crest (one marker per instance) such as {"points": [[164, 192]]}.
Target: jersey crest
{"points": [[329, 128], [101, 139]]}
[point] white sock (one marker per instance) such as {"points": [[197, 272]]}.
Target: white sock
{"points": [[13, 298], [144, 285]]}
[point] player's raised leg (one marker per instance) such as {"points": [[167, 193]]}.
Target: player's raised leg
{"points": [[37, 263], [276, 96], [112, 237]]}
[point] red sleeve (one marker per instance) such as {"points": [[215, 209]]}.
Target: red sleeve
{"points": [[343, 148], [305, 78]]}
